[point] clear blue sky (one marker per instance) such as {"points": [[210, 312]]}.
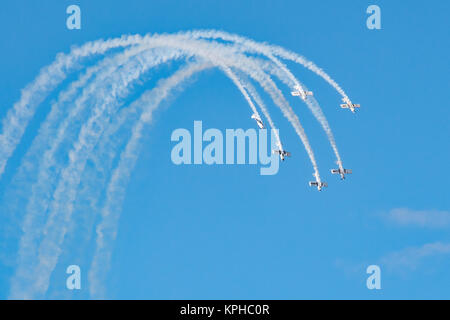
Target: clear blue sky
{"points": [[226, 232]]}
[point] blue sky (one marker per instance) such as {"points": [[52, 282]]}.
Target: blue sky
{"points": [[225, 232]]}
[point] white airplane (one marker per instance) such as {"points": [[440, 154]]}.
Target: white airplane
{"points": [[341, 172], [258, 121], [282, 153], [349, 105], [300, 92], [319, 184]]}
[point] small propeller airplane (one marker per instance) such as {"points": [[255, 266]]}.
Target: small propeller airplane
{"points": [[319, 184], [341, 172], [300, 92], [349, 105], [258, 120], [282, 153]]}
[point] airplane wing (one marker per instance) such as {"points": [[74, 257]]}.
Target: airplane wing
{"points": [[344, 106], [295, 93], [348, 171], [288, 154], [356, 106]]}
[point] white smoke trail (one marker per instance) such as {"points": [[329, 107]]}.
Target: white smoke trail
{"points": [[259, 101], [63, 191], [18, 117], [38, 202], [246, 64], [16, 120], [238, 84], [270, 88], [317, 111], [291, 80], [107, 228], [90, 195], [276, 95], [49, 249], [49, 130], [269, 51]]}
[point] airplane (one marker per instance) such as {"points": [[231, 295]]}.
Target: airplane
{"points": [[300, 92], [258, 121], [282, 153], [349, 105], [319, 184], [341, 172]]}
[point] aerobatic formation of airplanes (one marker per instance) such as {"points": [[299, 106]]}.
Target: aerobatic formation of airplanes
{"points": [[303, 94]]}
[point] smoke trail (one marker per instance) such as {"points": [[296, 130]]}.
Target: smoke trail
{"points": [[116, 190], [291, 80], [238, 84], [317, 111], [101, 162], [70, 175], [18, 117], [276, 95], [244, 63], [107, 228], [269, 51], [251, 89], [63, 194], [16, 120], [48, 129], [205, 48], [40, 197]]}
